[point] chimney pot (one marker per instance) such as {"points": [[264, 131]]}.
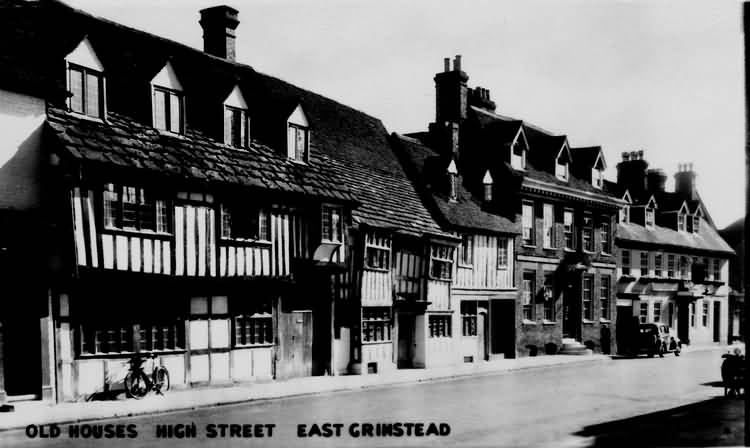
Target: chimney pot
{"points": [[446, 64], [457, 63], [625, 156], [219, 23]]}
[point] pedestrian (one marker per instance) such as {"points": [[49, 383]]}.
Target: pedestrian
{"points": [[606, 335]]}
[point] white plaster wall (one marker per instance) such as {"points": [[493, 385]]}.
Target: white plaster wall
{"points": [[341, 352], [21, 157]]}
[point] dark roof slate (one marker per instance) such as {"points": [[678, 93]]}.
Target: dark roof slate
{"points": [[125, 143], [707, 239]]}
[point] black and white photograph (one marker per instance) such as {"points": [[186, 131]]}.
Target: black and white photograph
{"points": [[345, 223]]}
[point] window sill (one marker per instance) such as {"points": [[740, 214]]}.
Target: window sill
{"points": [[567, 249], [546, 322], [244, 241], [376, 342], [241, 346], [605, 254], [325, 241], [528, 322], [465, 265], [549, 248], [99, 120], [135, 232], [604, 321], [446, 280], [372, 269], [529, 245], [587, 322], [167, 133]]}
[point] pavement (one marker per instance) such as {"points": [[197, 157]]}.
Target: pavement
{"points": [[38, 413]]}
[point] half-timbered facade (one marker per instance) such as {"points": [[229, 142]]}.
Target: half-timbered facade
{"points": [[191, 205], [524, 180], [673, 265]]}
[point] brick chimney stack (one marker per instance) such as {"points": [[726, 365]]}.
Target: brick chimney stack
{"points": [[684, 180], [219, 23], [631, 172], [451, 100]]}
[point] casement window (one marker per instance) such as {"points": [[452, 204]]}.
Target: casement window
{"points": [[527, 218], [469, 318], [597, 178], [549, 225], [162, 336], [105, 339], [644, 263], [568, 229], [704, 314], [587, 233], [518, 155], [549, 297], [503, 250], [298, 141], [236, 127], [441, 262], [625, 214], [377, 251], [681, 222], [245, 223], [133, 208], [168, 110], [658, 265], [696, 224], [253, 324], [376, 324], [561, 169], [670, 265], [87, 89], [649, 217], [604, 230], [587, 293], [625, 254], [467, 250], [332, 224], [440, 325], [692, 314], [643, 313], [529, 287], [605, 289], [657, 312]]}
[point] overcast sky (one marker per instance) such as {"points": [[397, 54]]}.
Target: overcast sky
{"points": [[662, 76]]}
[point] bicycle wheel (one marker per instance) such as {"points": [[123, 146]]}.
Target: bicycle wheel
{"points": [[162, 379], [136, 385]]}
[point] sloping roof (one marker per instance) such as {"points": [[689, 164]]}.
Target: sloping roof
{"points": [[586, 156], [124, 143], [467, 210], [707, 239]]}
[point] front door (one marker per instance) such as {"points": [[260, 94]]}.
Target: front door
{"points": [[482, 340], [22, 356], [295, 344], [209, 340], [405, 340], [503, 328], [717, 321], [571, 314], [683, 321]]}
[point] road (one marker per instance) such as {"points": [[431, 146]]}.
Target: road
{"points": [[539, 407]]}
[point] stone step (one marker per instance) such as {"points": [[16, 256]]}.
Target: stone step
{"points": [[572, 347]]}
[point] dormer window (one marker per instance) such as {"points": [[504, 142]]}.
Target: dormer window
{"points": [[681, 222], [696, 223], [85, 81], [168, 101], [597, 178], [518, 149], [236, 120], [649, 217], [561, 169], [298, 136], [625, 214]]}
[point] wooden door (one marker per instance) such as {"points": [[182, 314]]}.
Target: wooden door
{"points": [[503, 328], [22, 357], [295, 344], [717, 321], [405, 358], [482, 330]]}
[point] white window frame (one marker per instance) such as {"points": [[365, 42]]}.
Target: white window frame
{"points": [[244, 139], [379, 244], [561, 170], [443, 254], [569, 233], [336, 214], [466, 255], [650, 217], [527, 220], [548, 226], [503, 253]]}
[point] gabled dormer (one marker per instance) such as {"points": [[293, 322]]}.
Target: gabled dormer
{"points": [[85, 81], [589, 165], [650, 213], [562, 162], [682, 217], [236, 120], [487, 182], [625, 210], [298, 135], [597, 171], [696, 219], [644, 212], [519, 149], [167, 101]]}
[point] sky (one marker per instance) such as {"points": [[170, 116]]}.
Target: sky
{"points": [[661, 76]]}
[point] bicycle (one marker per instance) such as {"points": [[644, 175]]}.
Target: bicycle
{"points": [[138, 383]]}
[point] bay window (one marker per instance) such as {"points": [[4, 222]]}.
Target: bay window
{"points": [[441, 262], [377, 251], [440, 325]]}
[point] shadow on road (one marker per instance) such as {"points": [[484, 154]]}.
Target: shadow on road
{"points": [[715, 422]]}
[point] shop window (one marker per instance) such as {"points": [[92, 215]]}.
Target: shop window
{"points": [[162, 336], [133, 208], [469, 318], [588, 233], [376, 324], [605, 289], [529, 287], [503, 248], [549, 297], [568, 229], [87, 91], [657, 312], [643, 314], [440, 325], [588, 291], [467, 249], [441, 262], [527, 218], [245, 223], [332, 224], [254, 324], [105, 339], [378, 251]]}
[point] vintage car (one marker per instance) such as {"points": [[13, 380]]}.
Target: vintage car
{"points": [[655, 338]]}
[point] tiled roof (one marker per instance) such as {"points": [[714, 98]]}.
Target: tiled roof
{"points": [[124, 143], [388, 200], [707, 239], [467, 210]]}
